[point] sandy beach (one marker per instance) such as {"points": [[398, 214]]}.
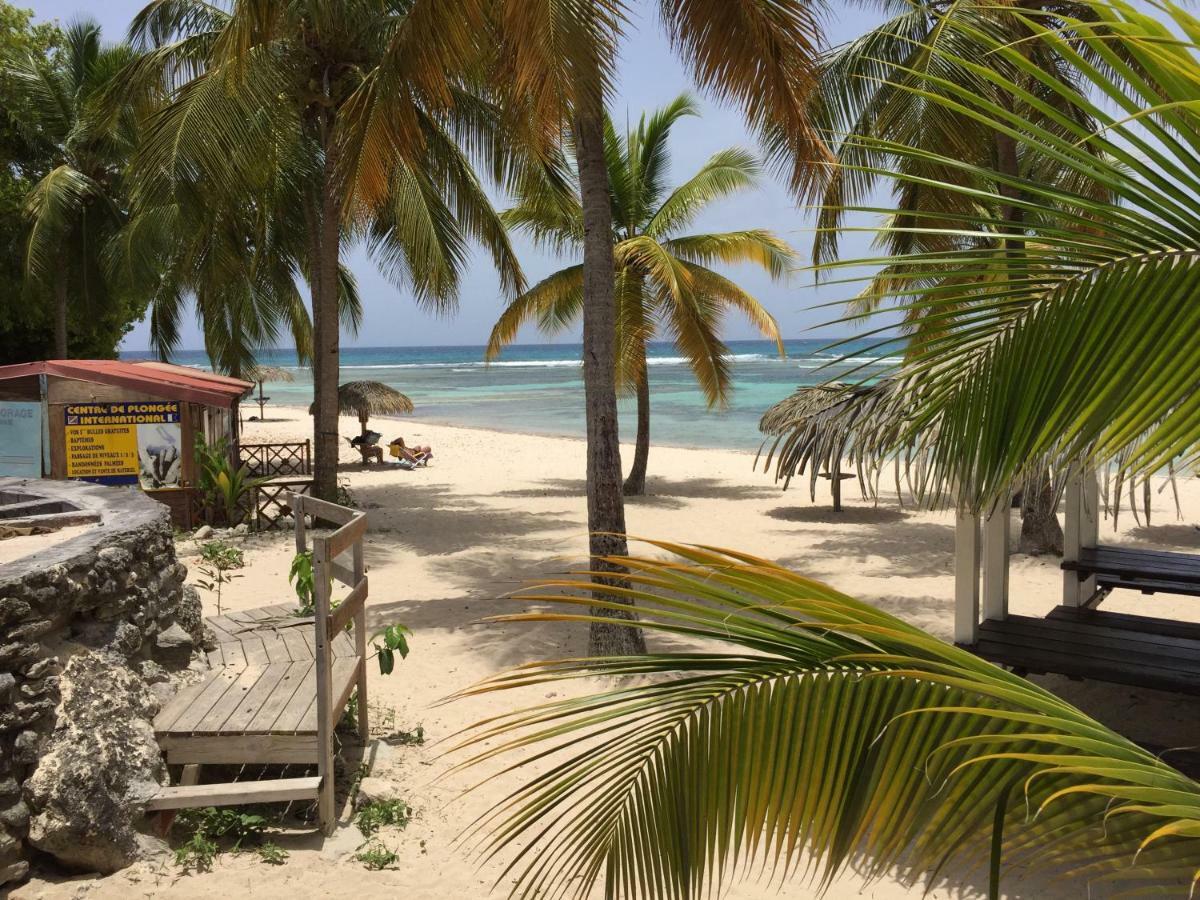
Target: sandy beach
{"points": [[448, 541]]}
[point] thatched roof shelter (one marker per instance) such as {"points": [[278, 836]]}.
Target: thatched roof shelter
{"points": [[819, 427], [371, 398], [260, 373]]}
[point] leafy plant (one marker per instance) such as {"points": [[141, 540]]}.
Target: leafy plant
{"points": [[219, 559], [271, 853], [413, 737], [300, 577], [395, 640], [374, 855], [808, 724], [226, 487], [205, 827], [381, 813]]}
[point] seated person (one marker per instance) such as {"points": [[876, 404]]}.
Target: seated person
{"points": [[415, 455], [368, 445]]}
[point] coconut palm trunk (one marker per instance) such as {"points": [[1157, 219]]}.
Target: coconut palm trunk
{"points": [[326, 339], [606, 505], [60, 315], [635, 484]]}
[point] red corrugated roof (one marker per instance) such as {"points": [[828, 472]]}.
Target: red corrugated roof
{"points": [[155, 378]]}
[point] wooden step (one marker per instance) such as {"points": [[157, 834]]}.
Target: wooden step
{"points": [[235, 793]]}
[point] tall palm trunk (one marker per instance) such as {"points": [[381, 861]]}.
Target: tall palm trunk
{"points": [[60, 315], [635, 484], [606, 505], [326, 338]]}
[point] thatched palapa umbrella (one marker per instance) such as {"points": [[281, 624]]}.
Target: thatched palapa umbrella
{"points": [[371, 398], [260, 374], [819, 426]]}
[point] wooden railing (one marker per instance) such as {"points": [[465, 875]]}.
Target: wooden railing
{"points": [[277, 460], [348, 538]]}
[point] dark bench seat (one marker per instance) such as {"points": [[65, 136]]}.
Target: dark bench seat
{"points": [[1086, 643], [1148, 571]]}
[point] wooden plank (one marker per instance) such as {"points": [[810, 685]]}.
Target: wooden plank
{"points": [[330, 512], [996, 528], [256, 653], [1129, 623], [214, 689], [178, 704], [221, 629], [234, 655], [343, 678], [343, 644], [299, 645], [360, 645], [1110, 646], [244, 749], [349, 608], [342, 574], [296, 695], [251, 704], [323, 554], [215, 718], [276, 790], [276, 649], [345, 537]]}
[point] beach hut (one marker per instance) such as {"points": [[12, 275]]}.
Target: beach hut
{"points": [[1077, 638], [116, 422]]}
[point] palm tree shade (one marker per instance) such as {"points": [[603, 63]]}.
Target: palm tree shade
{"points": [[803, 733], [663, 279], [261, 373]]}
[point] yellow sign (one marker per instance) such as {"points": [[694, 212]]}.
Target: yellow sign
{"points": [[124, 443]]}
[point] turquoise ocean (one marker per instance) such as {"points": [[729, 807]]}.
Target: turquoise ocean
{"points": [[538, 388]]}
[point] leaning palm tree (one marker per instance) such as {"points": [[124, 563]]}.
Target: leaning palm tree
{"points": [[804, 733], [663, 282], [553, 64], [286, 108], [80, 204]]}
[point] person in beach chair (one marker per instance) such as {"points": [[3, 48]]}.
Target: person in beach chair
{"points": [[367, 444], [417, 456]]}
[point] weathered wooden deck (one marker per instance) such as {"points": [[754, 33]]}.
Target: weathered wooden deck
{"points": [[279, 683], [259, 704]]}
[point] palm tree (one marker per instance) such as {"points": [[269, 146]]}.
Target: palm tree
{"points": [[872, 87], [808, 733], [282, 107], [553, 62], [1074, 349], [663, 282], [76, 208]]}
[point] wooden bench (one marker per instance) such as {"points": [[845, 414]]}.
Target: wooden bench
{"points": [[1086, 643], [279, 683], [1148, 571]]}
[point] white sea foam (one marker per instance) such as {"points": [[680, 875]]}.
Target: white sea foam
{"points": [[536, 363]]}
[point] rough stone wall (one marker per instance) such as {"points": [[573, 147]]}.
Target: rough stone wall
{"points": [[115, 591]]}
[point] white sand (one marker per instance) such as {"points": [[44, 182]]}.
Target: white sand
{"points": [[496, 508]]}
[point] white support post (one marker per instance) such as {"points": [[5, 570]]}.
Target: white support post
{"points": [[996, 529], [966, 578], [1081, 528]]}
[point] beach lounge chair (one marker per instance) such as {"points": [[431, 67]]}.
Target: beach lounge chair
{"points": [[368, 445], [417, 456]]}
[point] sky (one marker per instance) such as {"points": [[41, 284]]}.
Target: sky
{"points": [[650, 76]]}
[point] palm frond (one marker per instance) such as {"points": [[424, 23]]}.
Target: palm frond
{"points": [[726, 172], [798, 734]]}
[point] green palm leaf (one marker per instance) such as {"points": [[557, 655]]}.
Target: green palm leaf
{"points": [[813, 733]]}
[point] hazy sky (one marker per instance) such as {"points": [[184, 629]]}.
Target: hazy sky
{"points": [[650, 76]]}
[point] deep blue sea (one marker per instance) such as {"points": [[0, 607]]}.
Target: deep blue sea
{"points": [[538, 388]]}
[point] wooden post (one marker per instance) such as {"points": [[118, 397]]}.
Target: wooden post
{"points": [[966, 577], [326, 813], [1081, 528], [296, 502], [360, 644], [835, 484], [996, 528]]}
